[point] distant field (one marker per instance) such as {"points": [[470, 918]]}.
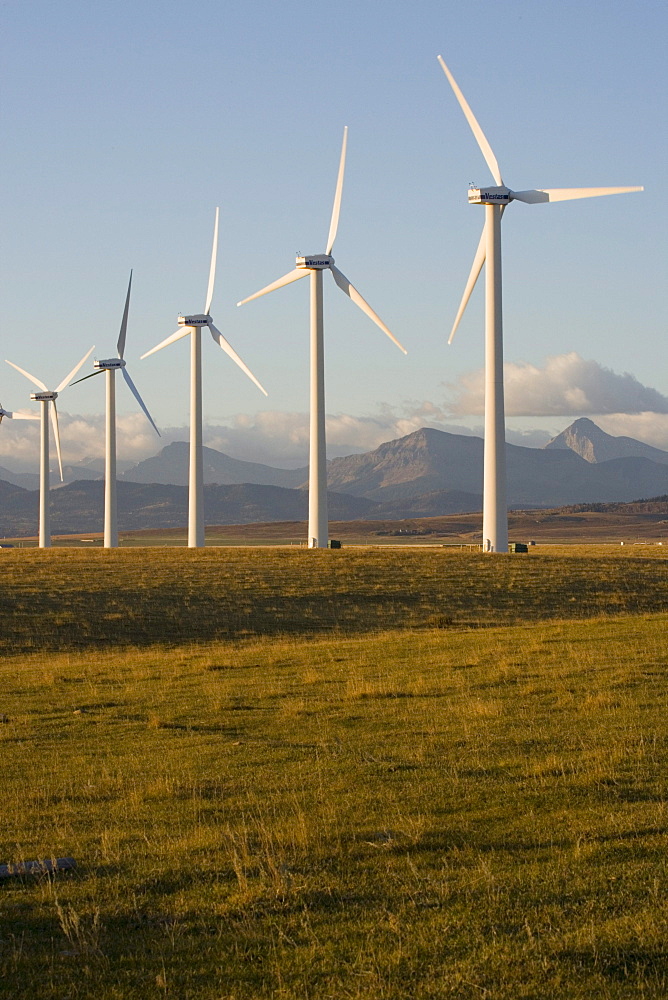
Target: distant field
{"points": [[642, 522], [375, 774], [75, 598]]}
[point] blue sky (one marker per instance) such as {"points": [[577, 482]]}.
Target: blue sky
{"points": [[125, 124]]}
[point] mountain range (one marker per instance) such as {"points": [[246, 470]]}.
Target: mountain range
{"points": [[171, 466], [425, 474]]}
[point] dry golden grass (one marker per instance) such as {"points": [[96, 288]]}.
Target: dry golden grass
{"points": [[73, 598], [275, 788]]}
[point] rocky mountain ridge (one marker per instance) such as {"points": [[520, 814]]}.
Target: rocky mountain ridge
{"points": [[424, 474]]}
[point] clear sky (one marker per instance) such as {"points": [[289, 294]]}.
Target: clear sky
{"points": [[125, 124]]}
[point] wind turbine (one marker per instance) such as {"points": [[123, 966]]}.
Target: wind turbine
{"points": [[495, 200], [315, 265], [45, 397], [193, 325], [111, 366]]}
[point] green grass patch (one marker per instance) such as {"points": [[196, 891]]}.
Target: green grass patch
{"points": [[331, 797]]}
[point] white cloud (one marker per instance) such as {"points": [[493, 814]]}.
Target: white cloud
{"points": [[529, 437], [649, 427], [281, 439], [273, 438], [82, 438], [567, 385]]}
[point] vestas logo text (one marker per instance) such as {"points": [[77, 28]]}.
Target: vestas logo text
{"points": [[490, 196]]}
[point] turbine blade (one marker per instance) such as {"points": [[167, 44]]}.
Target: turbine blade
{"points": [[334, 224], [538, 195], [133, 389], [299, 272], [100, 371], [75, 370], [124, 321], [220, 340], [212, 269], [474, 274], [351, 291], [31, 378], [485, 147], [22, 415], [182, 331], [56, 434]]}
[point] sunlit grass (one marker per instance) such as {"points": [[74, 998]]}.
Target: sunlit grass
{"points": [[286, 809]]}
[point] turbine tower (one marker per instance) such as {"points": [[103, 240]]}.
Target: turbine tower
{"points": [[315, 265], [45, 397], [495, 200], [111, 366], [193, 325]]}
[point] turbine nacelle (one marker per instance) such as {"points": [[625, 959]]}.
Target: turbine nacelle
{"points": [[490, 196], [198, 319], [109, 364], [42, 397], [318, 263]]}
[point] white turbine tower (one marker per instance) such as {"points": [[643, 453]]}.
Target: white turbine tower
{"points": [[193, 325], [495, 200], [45, 397], [111, 366], [315, 265]]}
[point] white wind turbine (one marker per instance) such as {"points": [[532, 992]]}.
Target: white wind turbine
{"points": [[45, 397], [315, 265], [495, 200], [111, 366], [193, 325]]}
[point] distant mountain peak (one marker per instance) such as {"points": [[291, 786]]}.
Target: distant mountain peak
{"points": [[587, 440], [170, 466]]}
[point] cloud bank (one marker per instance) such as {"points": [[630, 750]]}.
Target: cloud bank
{"points": [[283, 438], [273, 438], [567, 385]]}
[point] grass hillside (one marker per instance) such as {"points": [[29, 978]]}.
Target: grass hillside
{"points": [[355, 774]]}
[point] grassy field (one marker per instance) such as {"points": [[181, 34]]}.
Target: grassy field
{"points": [[74, 598], [366, 774]]}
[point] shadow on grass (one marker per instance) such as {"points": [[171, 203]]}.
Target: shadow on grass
{"points": [[441, 842], [87, 600], [620, 963]]}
